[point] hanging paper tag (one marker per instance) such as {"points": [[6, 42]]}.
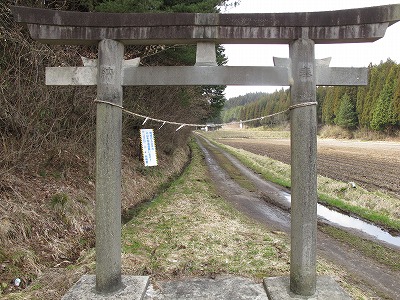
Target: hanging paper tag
{"points": [[148, 147]]}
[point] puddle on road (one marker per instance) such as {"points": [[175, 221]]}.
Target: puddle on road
{"points": [[340, 219], [331, 216]]}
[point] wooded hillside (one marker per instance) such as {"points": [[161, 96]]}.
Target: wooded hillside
{"points": [[47, 136], [375, 106]]}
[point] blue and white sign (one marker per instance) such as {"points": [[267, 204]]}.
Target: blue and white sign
{"points": [[148, 147]]}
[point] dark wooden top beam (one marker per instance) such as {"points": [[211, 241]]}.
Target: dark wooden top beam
{"points": [[64, 27]]}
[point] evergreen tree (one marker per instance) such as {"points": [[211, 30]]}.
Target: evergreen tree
{"points": [[384, 115], [396, 98], [328, 115], [362, 92], [377, 88], [123, 6], [176, 55], [369, 101], [346, 116], [320, 97], [338, 92]]}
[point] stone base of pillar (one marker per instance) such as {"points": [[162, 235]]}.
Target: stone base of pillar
{"points": [[134, 288], [277, 288]]}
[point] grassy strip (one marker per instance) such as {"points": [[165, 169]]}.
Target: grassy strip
{"points": [[273, 171], [189, 230], [329, 190], [364, 213], [386, 256]]}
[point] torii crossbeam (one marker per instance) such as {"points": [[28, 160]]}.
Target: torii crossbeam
{"points": [[301, 31]]}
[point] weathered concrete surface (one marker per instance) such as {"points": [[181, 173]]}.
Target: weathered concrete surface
{"points": [[353, 25], [303, 141], [206, 54], [209, 75], [134, 288], [108, 167], [220, 288], [278, 289], [86, 75]]}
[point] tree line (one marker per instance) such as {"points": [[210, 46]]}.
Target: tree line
{"points": [[254, 105], [375, 106]]}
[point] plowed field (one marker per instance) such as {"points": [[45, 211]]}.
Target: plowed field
{"points": [[373, 165]]}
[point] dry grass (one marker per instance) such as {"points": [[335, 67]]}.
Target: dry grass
{"points": [[189, 230], [279, 172], [376, 201], [371, 135], [47, 219], [336, 132], [364, 134], [256, 133]]}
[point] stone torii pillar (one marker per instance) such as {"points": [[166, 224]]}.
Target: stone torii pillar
{"points": [[108, 167], [301, 31], [303, 140]]}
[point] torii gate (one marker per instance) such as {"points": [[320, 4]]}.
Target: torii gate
{"points": [[301, 31]]}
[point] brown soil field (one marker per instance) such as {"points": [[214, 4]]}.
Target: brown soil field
{"points": [[372, 165]]}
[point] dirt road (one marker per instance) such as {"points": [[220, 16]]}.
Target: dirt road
{"points": [[362, 271], [373, 165]]}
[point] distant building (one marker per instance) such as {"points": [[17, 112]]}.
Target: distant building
{"points": [[211, 127]]}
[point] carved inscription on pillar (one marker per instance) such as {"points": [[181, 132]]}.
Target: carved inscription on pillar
{"points": [[107, 74], [305, 72]]}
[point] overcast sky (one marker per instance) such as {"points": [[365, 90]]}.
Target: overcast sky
{"points": [[343, 55]]}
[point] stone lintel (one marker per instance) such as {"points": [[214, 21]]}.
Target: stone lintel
{"points": [[341, 76], [350, 26], [71, 76], [51, 34], [221, 75], [171, 75], [285, 62], [367, 15], [331, 76]]}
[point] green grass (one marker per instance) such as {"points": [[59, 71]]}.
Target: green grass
{"points": [[362, 212], [386, 256], [269, 169], [59, 200], [190, 230]]}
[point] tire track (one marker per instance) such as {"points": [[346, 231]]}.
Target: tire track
{"points": [[362, 271]]}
